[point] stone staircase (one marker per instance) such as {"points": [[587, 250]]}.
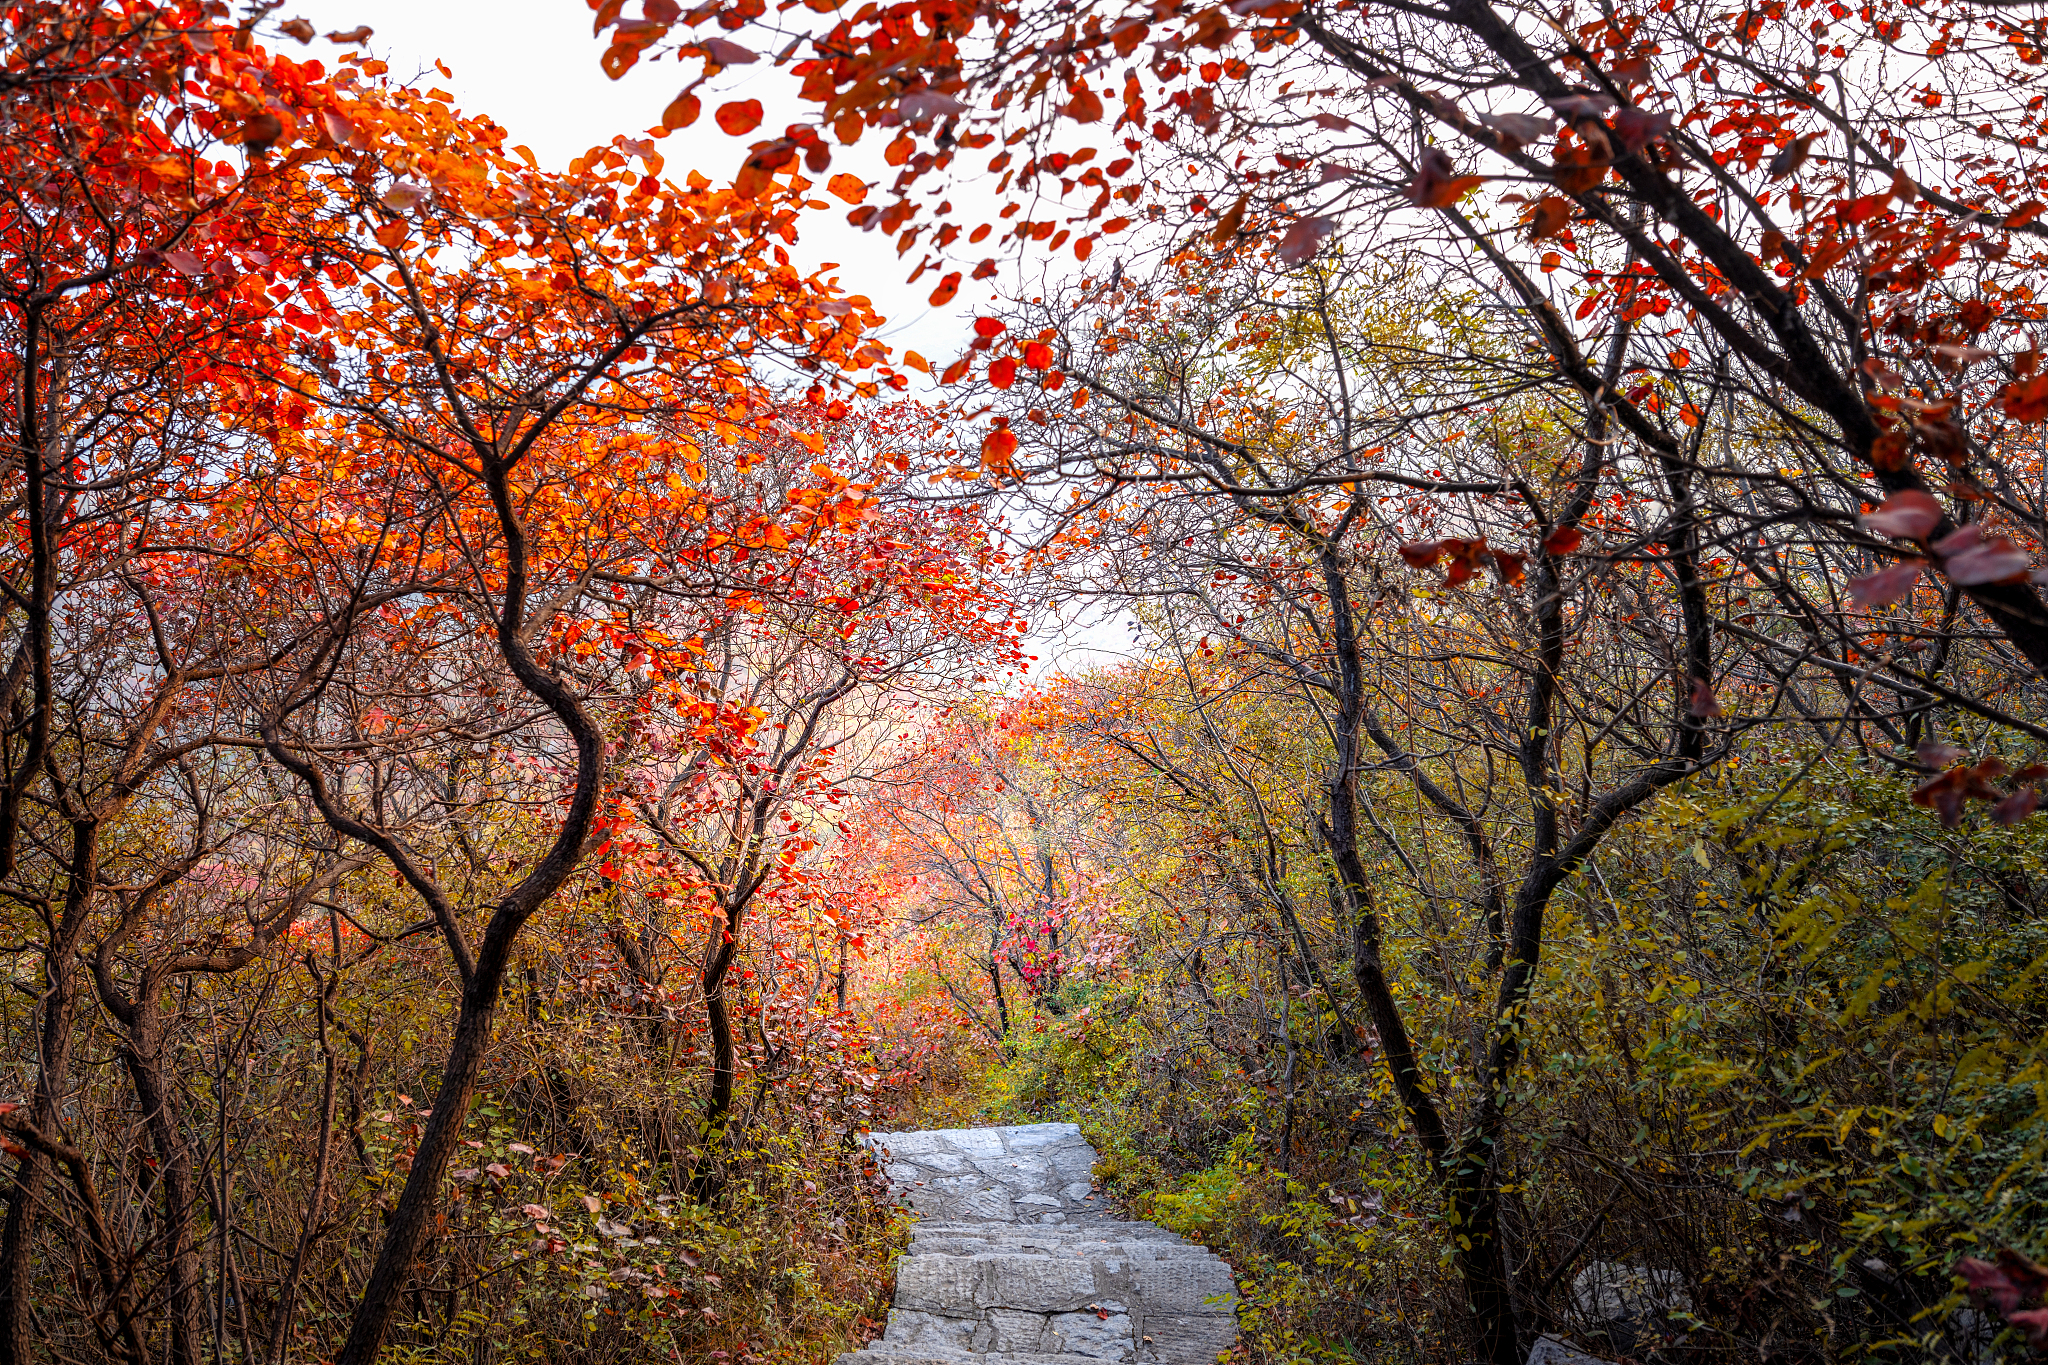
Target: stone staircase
{"points": [[1012, 1261]]}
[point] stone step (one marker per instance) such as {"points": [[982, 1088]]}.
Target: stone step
{"points": [[1013, 1262], [1053, 1232], [874, 1356]]}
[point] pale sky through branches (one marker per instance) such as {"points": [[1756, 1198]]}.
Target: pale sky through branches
{"points": [[532, 67]]}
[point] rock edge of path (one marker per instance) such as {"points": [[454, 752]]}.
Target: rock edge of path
{"points": [[1013, 1262]]}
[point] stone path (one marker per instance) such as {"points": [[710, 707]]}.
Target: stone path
{"points": [[1013, 1262]]}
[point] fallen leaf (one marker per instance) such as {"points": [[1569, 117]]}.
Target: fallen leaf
{"points": [[1227, 226], [2026, 400], [2011, 811]]}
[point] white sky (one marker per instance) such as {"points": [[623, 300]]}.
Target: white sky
{"points": [[532, 66]]}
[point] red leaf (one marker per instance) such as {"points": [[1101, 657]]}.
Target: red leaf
{"points": [[1465, 557], [1420, 554], [1549, 217], [1638, 128], [928, 104], [1301, 241], [997, 448], [1792, 157], [948, 287], [989, 327], [1085, 107], [1436, 186], [1886, 586], [2034, 1322], [1968, 558], [739, 116], [728, 53], [2016, 808], [1037, 355], [1564, 540], [1903, 516], [681, 112], [1519, 129], [1702, 702], [2027, 400], [1003, 373]]}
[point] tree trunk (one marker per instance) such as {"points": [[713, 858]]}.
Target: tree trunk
{"points": [[53, 1073]]}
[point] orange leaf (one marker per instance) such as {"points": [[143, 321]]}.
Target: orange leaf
{"points": [[1227, 226], [2026, 400], [1549, 217], [848, 187], [1085, 107], [739, 116], [997, 448], [681, 112], [1003, 373], [1434, 186], [948, 287], [1037, 355]]}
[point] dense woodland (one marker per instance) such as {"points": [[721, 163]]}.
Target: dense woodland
{"points": [[518, 742]]}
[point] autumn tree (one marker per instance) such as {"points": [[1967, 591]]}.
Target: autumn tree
{"points": [[1842, 261], [139, 265], [998, 845]]}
